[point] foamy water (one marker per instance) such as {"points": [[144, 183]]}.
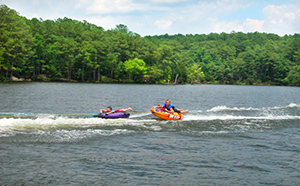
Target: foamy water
{"points": [[232, 135]]}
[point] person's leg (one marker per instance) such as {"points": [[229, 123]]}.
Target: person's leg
{"points": [[184, 111], [127, 109]]}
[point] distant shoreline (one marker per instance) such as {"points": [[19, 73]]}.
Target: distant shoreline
{"points": [[23, 80]]}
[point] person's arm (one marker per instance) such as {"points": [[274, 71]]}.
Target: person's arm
{"points": [[111, 112], [171, 111], [102, 110]]}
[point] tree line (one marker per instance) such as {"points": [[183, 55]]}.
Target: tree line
{"points": [[71, 50]]}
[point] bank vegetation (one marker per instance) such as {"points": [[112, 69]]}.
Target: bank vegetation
{"points": [[69, 50]]}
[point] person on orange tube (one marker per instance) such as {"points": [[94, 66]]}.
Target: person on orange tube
{"points": [[170, 108]]}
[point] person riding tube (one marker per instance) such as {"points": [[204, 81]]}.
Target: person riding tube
{"points": [[170, 108], [109, 110]]}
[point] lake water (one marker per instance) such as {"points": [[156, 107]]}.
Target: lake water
{"points": [[233, 135]]}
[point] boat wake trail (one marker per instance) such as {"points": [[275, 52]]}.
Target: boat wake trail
{"points": [[217, 120], [291, 111]]}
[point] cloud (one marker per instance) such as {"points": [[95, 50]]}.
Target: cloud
{"points": [[252, 25], [168, 1], [284, 12], [149, 17], [106, 22], [200, 17], [163, 24], [114, 6], [282, 19]]}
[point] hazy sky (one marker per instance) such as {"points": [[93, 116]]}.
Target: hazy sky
{"points": [[156, 17]]}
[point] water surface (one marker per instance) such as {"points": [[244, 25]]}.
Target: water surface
{"points": [[233, 135]]}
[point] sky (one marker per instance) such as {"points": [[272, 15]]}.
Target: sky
{"points": [[158, 17]]}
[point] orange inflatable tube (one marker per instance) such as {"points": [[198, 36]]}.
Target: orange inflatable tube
{"points": [[158, 111]]}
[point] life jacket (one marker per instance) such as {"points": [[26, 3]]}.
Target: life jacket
{"points": [[170, 106]]}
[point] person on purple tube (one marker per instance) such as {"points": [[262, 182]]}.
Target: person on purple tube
{"points": [[109, 110]]}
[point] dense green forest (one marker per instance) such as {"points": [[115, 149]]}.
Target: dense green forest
{"points": [[71, 50]]}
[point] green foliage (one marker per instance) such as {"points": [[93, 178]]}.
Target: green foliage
{"points": [[69, 50], [293, 77], [135, 69], [15, 43], [196, 74]]}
